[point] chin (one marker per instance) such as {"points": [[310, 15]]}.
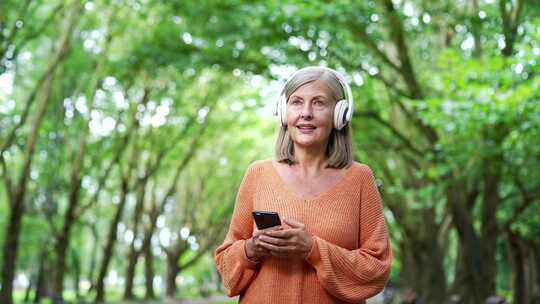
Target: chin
{"points": [[308, 143], [308, 140]]}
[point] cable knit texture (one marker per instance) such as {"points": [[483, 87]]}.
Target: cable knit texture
{"points": [[351, 256]]}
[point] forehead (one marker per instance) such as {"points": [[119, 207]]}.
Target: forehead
{"points": [[312, 88]]}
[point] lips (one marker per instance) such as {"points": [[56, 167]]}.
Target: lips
{"points": [[306, 128]]}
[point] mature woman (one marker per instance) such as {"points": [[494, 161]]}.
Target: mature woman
{"points": [[332, 246]]}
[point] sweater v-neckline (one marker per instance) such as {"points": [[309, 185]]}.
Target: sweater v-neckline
{"points": [[290, 191]]}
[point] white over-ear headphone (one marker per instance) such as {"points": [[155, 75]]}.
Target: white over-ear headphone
{"points": [[342, 112]]}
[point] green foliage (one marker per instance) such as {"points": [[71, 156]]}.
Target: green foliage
{"points": [[181, 76]]}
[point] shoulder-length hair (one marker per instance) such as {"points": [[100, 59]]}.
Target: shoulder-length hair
{"points": [[339, 148]]}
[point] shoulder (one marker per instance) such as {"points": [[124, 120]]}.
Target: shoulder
{"points": [[361, 169], [258, 167], [364, 179], [362, 174]]}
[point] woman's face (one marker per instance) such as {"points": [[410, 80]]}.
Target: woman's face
{"points": [[309, 114]]}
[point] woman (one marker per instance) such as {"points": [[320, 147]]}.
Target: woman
{"points": [[333, 246]]}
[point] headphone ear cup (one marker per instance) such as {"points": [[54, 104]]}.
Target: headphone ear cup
{"points": [[340, 119]]}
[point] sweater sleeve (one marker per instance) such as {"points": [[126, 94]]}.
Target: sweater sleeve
{"points": [[236, 270], [354, 275]]}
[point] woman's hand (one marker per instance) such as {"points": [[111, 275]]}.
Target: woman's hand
{"points": [[254, 250], [287, 243]]}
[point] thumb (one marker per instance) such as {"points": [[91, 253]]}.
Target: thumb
{"points": [[294, 224]]}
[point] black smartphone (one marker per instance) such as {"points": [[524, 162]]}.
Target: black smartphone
{"points": [[266, 219]]}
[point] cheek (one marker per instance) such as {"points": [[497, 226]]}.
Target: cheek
{"points": [[290, 114], [291, 118], [329, 119]]}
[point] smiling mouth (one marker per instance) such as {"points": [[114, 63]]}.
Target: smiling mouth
{"points": [[306, 128]]}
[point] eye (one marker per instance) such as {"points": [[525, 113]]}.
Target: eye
{"points": [[319, 102], [295, 101]]}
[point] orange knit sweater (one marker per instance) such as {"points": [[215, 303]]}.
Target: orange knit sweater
{"points": [[351, 256]]}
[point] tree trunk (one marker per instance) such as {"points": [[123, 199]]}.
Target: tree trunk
{"points": [[72, 214], [525, 276], [434, 289], [147, 251], [16, 202], [147, 246], [458, 203], [490, 205], [157, 209], [93, 256], [62, 242], [424, 270], [29, 289], [149, 269], [111, 241], [536, 255], [492, 173], [422, 251], [41, 284], [76, 273], [461, 279], [510, 23], [133, 251], [11, 245], [130, 273], [173, 268], [476, 26]]}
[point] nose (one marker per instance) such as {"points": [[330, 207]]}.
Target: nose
{"points": [[307, 111]]}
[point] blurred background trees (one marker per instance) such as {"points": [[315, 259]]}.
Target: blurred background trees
{"points": [[126, 126]]}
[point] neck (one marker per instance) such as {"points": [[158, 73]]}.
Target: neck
{"points": [[310, 162]]}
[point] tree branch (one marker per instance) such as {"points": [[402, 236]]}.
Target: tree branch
{"points": [[123, 145], [414, 119], [364, 36], [527, 198], [39, 30], [445, 226], [398, 148], [344, 59], [427, 130], [391, 84], [14, 29], [7, 179], [398, 36], [52, 226], [406, 142], [163, 152], [30, 100]]}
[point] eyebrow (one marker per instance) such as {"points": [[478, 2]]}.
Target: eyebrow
{"points": [[317, 96]]}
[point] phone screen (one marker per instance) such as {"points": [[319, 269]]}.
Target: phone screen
{"points": [[266, 219]]}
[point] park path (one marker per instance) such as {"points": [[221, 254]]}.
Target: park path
{"points": [[216, 299], [222, 299]]}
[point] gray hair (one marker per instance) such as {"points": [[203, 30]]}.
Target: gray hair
{"points": [[339, 148]]}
